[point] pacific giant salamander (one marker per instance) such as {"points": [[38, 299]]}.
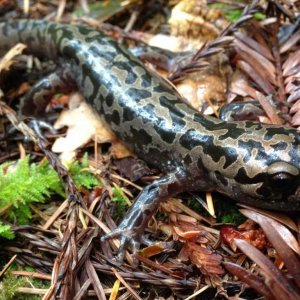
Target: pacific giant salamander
{"points": [[250, 162]]}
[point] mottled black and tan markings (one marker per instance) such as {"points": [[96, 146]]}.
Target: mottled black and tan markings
{"points": [[196, 152]]}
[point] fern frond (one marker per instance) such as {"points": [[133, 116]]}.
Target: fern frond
{"points": [[26, 183], [23, 183]]}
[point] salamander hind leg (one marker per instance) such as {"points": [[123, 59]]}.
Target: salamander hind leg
{"points": [[241, 111], [35, 101], [131, 229]]}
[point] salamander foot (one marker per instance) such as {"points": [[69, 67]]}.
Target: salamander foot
{"points": [[128, 238]]}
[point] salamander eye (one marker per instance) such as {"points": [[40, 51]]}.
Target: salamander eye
{"points": [[282, 175], [281, 180]]}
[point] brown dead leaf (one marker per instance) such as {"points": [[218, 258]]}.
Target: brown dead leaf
{"points": [[206, 260], [291, 64], [83, 125], [187, 235], [201, 87], [240, 86], [206, 85], [189, 27], [282, 218], [261, 48], [95, 280], [271, 224], [120, 150], [290, 42], [292, 82], [296, 107], [256, 77], [170, 207], [193, 18], [294, 96], [186, 219], [257, 61], [250, 279], [173, 43], [165, 268], [174, 205], [185, 230], [269, 109], [152, 250], [295, 120], [279, 283]]}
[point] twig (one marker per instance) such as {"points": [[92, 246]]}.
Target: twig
{"points": [[6, 267]]}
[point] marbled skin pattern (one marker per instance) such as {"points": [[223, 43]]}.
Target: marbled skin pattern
{"points": [[250, 162]]}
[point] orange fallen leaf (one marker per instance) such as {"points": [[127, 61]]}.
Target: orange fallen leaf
{"points": [[205, 259]]}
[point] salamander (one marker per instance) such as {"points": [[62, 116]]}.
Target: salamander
{"points": [[252, 163]]}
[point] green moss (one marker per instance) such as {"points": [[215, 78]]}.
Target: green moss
{"points": [[227, 211], [10, 284], [81, 175], [232, 15], [122, 201], [101, 9], [6, 232]]}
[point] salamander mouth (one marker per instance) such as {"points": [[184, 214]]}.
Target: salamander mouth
{"points": [[290, 204], [287, 201], [295, 197]]}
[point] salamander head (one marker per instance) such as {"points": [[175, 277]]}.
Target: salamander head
{"points": [[265, 171], [283, 181], [276, 188]]}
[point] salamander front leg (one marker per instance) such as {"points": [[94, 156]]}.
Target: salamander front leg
{"points": [[131, 229], [36, 100]]}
